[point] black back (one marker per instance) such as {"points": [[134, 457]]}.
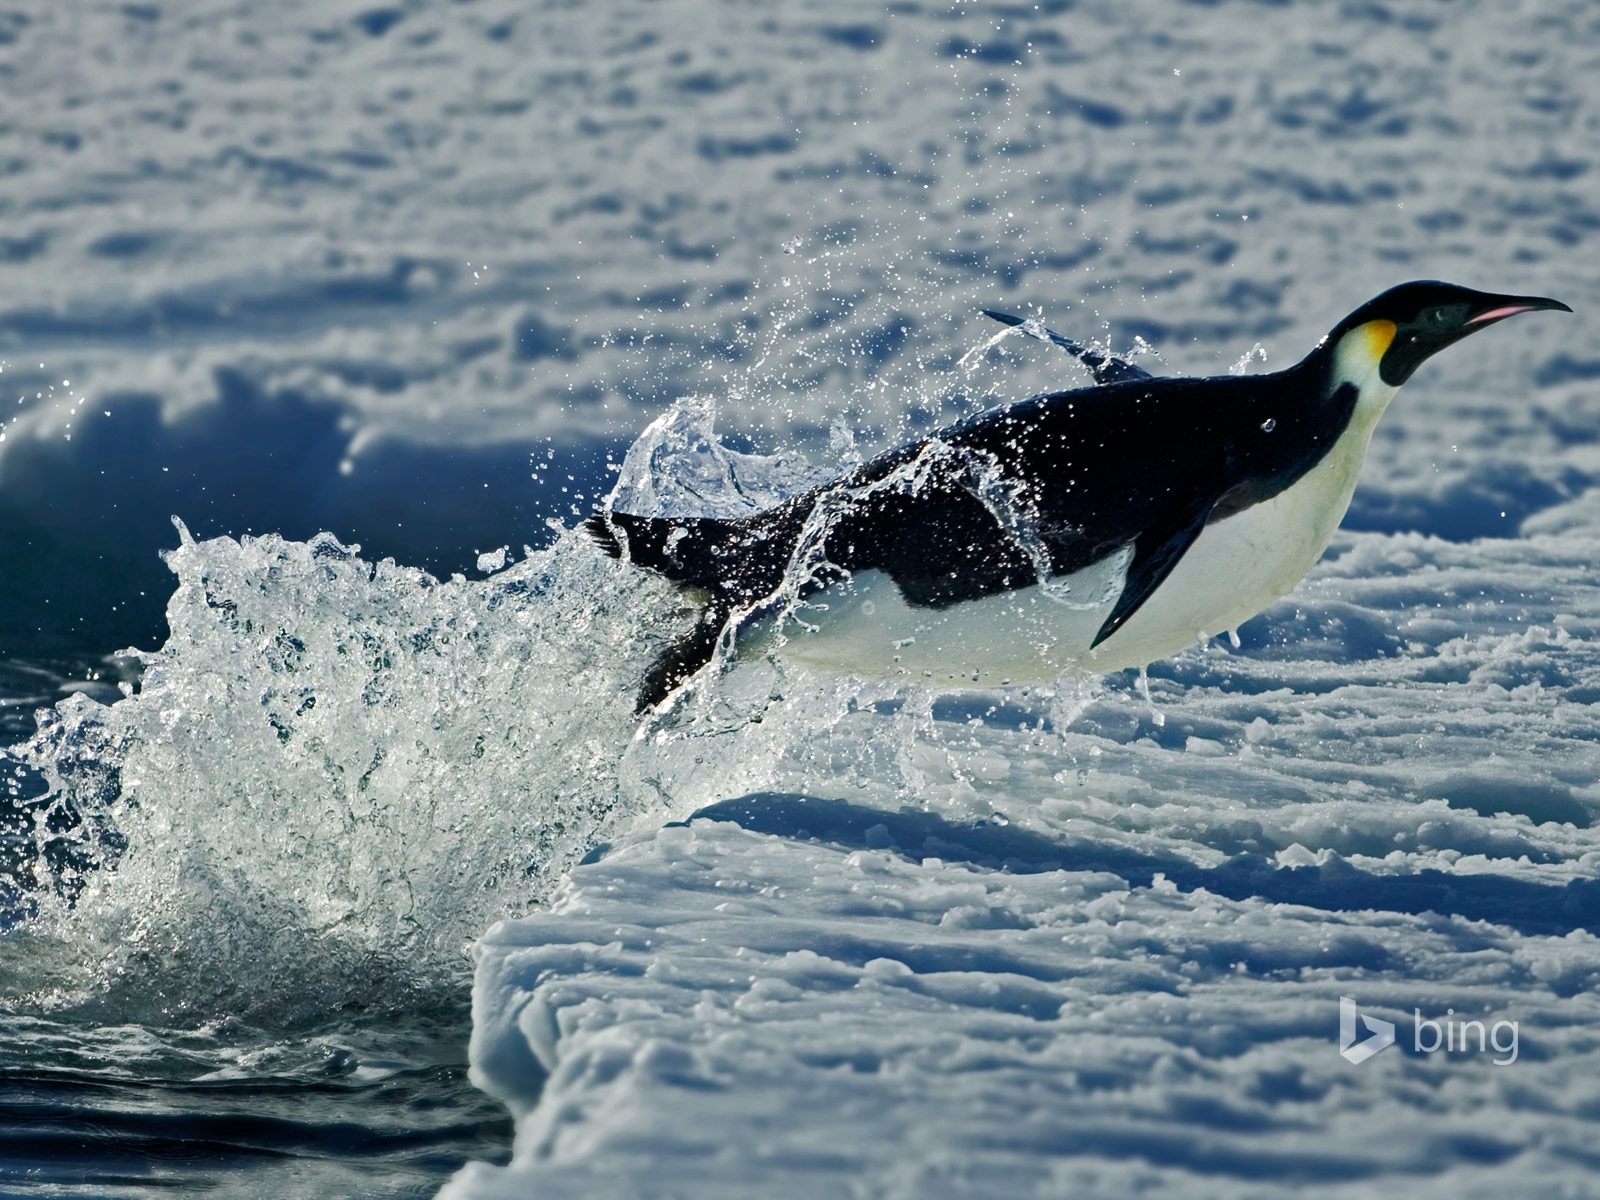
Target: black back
{"points": [[1075, 476]]}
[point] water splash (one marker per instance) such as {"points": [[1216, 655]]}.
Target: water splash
{"points": [[680, 467], [1157, 717], [333, 776], [1241, 366]]}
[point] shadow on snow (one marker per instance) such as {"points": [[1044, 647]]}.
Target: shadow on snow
{"points": [[1525, 906]]}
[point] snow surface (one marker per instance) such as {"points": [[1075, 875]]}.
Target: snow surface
{"points": [[1128, 981]]}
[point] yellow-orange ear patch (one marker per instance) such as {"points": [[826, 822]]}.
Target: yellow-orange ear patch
{"points": [[1375, 338]]}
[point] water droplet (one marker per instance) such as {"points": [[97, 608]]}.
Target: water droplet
{"points": [[1269, 425], [1256, 353]]}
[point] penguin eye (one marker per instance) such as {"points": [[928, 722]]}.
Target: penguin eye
{"points": [[1438, 316]]}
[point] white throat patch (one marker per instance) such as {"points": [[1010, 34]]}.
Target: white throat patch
{"points": [[1356, 360]]}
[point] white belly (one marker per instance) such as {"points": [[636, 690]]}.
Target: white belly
{"points": [[1236, 568], [1240, 565], [865, 628]]}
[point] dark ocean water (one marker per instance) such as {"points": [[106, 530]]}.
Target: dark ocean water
{"points": [[96, 1102], [363, 1108], [417, 274]]}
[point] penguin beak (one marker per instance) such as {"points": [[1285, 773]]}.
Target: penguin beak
{"points": [[1498, 308], [1440, 326]]}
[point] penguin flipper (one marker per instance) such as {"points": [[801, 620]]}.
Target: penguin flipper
{"points": [[683, 658], [726, 565], [1106, 368], [1155, 552]]}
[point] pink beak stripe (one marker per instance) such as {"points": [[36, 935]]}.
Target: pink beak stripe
{"points": [[1494, 314]]}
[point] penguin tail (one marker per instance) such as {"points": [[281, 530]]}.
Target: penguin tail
{"points": [[603, 533]]}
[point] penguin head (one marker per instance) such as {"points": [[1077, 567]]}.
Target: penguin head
{"points": [[1401, 329]]}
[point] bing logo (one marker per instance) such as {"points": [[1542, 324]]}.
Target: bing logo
{"points": [[1429, 1036], [1358, 1052]]}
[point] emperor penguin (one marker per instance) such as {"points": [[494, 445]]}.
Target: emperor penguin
{"points": [[1092, 529]]}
